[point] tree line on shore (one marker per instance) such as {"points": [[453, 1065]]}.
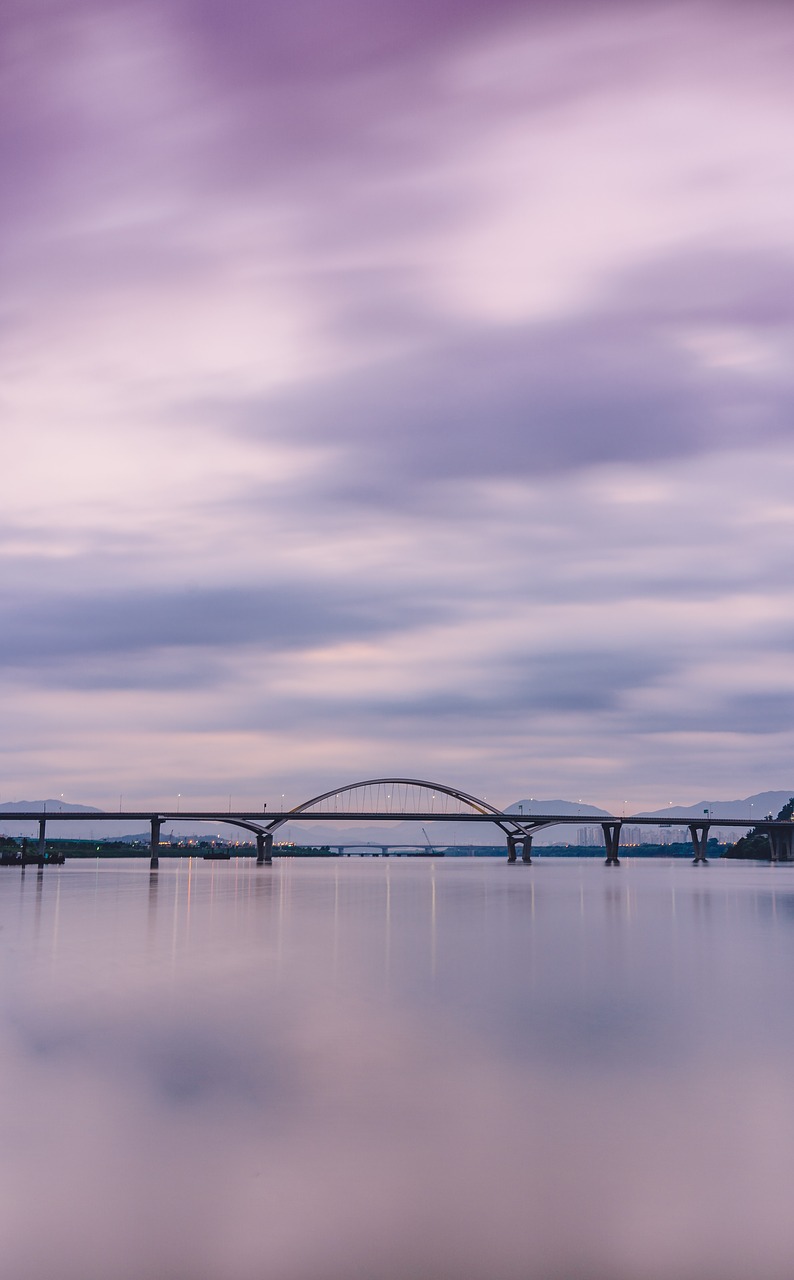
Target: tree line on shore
{"points": [[755, 844]]}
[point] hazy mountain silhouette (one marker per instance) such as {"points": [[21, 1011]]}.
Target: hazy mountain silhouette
{"points": [[757, 806]]}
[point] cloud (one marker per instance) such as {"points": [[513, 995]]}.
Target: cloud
{"points": [[426, 363], [686, 356], [525, 402], [700, 285], [578, 681], [281, 616]]}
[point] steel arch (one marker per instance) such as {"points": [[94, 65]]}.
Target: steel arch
{"points": [[480, 806]]}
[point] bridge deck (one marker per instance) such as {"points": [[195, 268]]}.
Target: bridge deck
{"points": [[266, 818]]}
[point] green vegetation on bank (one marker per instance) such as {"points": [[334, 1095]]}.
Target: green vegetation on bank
{"points": [[756, 843]]}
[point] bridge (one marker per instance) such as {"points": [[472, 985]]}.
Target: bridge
{"points": [[410, 800], [412, 850]]}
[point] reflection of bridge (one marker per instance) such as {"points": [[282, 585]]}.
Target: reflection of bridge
{"points": [[413, 800]]}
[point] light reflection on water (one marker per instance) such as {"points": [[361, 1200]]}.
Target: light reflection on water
{"points": [[396, 1068]]}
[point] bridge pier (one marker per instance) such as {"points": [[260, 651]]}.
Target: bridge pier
{"points": [[154, 844], [526, 850], [42, 841], [699, 832], [780, 843], [611, 832], [512, 842], [264, 849]]}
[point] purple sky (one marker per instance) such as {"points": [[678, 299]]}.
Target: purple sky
{"points": [[396, 388]]}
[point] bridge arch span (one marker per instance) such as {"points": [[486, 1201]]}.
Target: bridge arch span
{"points": [[379, 785]]}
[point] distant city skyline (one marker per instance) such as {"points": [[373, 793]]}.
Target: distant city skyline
{"points": [[396, 386]]}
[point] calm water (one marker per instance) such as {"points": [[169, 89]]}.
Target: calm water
{"points": [[391, 1069]]}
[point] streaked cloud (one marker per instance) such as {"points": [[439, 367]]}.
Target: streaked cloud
{"points": [[407, 386]]}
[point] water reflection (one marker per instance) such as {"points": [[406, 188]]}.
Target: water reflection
{"points": [[395, 1068]]}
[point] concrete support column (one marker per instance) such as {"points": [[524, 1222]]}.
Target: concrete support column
{"points": [[699, 832], [611, 832], [511, 848], [264, 849], [780, 843], [526, 850], [154, 846], [42, 851]]}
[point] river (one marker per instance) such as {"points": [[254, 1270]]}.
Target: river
{"points": [[382, 1069]]}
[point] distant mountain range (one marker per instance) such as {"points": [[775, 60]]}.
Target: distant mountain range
{"points": [[47, 806], [563, 808], [439, 833], [61, 830], [757, 806]]}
